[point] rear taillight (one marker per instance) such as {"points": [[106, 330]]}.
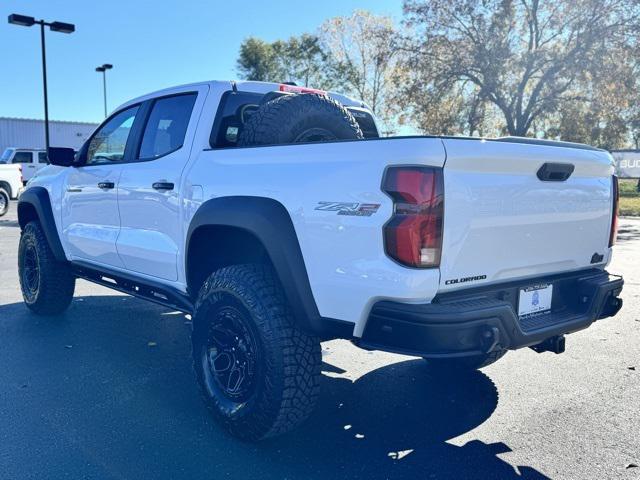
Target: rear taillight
{"points": [[21, 176], [413, 235], [614, 214]]}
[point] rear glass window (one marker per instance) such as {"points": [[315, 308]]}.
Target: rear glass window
{"points": [[237, 107], [366, 122]]}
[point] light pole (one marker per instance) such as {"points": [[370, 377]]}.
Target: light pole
{"points": [[103, 68], [25, 21]]}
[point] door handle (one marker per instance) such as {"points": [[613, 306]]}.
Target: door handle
{"points": [[106, 185], [163, 186]]}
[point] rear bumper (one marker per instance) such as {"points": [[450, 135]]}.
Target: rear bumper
{"points": [[478, 321]]}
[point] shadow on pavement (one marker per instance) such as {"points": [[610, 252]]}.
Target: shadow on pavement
{"points": [[627, 233], [87, 395], [8, 223]]}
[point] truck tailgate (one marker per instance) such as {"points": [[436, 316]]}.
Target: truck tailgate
{"points": [[502, 222]]}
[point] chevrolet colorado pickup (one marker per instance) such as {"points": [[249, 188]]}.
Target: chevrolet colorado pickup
{"points": [[11, 184], [277, 218]]}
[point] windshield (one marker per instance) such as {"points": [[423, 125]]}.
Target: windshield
{"points": [[6, 155]]}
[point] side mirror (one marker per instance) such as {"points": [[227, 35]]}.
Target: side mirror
{"points": [[62, 157]]}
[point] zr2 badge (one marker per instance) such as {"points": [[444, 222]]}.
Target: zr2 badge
{"points": [[348, 208]]}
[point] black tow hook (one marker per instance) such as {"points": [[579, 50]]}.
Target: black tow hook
{"points": [[490, 339], [554, 344], [612, 305]]}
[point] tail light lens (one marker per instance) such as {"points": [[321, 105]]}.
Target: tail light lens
{"points": [[296, 89], [21, 175], [413, 235], [614, 214]]}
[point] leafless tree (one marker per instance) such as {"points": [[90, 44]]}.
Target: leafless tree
{"points": [[523, 57]]}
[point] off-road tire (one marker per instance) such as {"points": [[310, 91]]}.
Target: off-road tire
{"points": [[301, 118], [287, 360], [464, 364], [50, 290], [4, 202]]}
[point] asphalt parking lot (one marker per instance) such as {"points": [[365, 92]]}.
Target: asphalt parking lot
{"points": [[106, 392]]}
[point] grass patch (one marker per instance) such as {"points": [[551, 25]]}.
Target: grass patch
{"points": [[630, 206], [628, 187]]}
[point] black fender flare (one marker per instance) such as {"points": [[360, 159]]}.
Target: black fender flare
{"points": [[269, 221], [38, 199]]}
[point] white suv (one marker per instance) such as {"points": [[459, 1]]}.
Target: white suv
{"points": [[31, 160]]}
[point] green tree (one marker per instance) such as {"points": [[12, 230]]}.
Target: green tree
{"points": [[303, 60], [298, 59], [258, 61]]}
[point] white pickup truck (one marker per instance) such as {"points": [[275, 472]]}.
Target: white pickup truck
{"points": [[277, 218], [11, 185], [31, 160]]}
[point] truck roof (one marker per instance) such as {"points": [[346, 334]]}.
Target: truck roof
{"points": [[244, 85], [266, 87]]}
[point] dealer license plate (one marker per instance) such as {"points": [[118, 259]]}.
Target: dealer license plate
{"points": [[535, 300]]}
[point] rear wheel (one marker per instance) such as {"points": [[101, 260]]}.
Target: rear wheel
{"points": [[258, 372], [4, 202], [47, 285]]}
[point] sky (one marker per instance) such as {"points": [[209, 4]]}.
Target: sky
{"points": [[152, 45]]}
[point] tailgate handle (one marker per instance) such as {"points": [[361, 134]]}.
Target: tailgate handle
{"points": [[555, 172]]}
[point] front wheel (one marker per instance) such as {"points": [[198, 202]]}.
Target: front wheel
{"points": [[47, 284], [259, 373]]}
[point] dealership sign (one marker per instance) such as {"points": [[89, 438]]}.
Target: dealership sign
{"points": [[627, 163]]}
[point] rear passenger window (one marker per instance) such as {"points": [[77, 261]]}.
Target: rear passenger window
{"points": [[167, 126], [234, 110], [42, 157], [22, 157]]}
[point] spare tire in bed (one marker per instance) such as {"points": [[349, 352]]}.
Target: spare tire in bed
{"points": [[302, 118]]}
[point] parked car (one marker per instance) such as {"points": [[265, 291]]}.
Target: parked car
{"points": [[277, 218], [31, 160], [11, 185]]}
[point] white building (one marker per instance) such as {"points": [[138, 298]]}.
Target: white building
{"points": [[29, 133]]}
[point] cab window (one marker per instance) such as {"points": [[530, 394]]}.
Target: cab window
{"points": [[22, 157], [109, 142], [167, 125]]}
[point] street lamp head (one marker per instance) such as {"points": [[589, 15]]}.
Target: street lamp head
{"points": [[25, 21], [62, 27], [100, 69], [107, 66], [22, 20]]}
